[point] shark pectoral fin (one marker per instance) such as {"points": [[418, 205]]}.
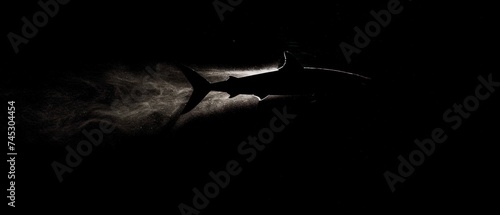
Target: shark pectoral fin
{"points": [[232, 78]]}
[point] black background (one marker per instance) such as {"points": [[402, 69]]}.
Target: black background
{"points": [[330, 159]]}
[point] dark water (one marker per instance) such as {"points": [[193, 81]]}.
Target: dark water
{"points": [[85, 64]]}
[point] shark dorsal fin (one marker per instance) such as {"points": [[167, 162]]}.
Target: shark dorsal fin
{"points": [[261, 95], [232, 95], [290, 63]]}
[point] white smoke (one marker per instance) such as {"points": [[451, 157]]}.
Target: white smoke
{"points": [[134, 101]]}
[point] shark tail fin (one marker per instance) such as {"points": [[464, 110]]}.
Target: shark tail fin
{"points": [[201, 87]]}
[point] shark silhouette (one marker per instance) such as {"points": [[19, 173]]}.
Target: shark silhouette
{"points": [[291, 78]]}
